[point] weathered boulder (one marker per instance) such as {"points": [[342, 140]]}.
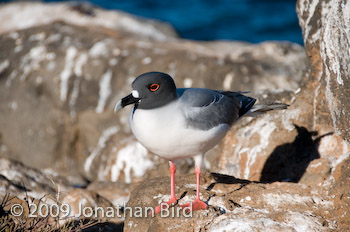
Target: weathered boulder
{"points": [[341, 193], [33, 14], [59, 83], [301, 144], [284, 145], [62, 72], [326, 35], [17, 179], [277, 147], [84, 204], [116, 192], [234, 205], [32, 199]]}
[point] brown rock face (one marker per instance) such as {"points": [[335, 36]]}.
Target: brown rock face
{"points": [[22, 181], [342, 195], [325, 28], [84, 204], [234, 205], [60, 81], [299, 145], [284, 145], [60, 78]]}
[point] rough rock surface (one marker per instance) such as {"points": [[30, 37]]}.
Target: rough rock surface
{"points": [[71, 76], [301, 145], [341, 191], [80, 202], [33, 14], [234, 205], [20, 184], [280, 146], [60, 78], [284, 145], [326, 35], [22, 181]]}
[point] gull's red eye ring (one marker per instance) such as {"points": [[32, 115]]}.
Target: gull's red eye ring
{"points": [[153, 87]]}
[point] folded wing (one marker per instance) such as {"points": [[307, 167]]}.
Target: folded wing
{"points": [[205, 109]]}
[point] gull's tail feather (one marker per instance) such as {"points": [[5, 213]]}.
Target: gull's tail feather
{"points": [[246, 103], [262, 108], [247, 107]]}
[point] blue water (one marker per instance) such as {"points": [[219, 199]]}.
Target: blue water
{"points": [[245, 20]]}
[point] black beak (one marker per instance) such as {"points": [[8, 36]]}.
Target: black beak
{"points": [[126, 101]]}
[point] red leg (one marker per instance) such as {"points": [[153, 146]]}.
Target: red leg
{"points": [[197, 204], [172, 170], [173, 198]]}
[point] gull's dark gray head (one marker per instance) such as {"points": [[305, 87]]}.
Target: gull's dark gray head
{"points": [[150, 90]]}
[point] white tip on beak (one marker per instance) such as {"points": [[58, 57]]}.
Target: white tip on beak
{"points": [[128, 100], [118, 106]]}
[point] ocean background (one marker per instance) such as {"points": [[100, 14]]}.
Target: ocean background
{"points": [[244, 20]]}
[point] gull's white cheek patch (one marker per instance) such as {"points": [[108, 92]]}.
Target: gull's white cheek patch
{"points": [[135, 94]]}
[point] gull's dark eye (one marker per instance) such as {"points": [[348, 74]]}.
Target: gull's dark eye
{"points": [[153, 87]]}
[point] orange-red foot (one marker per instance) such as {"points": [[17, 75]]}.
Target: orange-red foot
{"points": [[165, 205], [196, 205]]}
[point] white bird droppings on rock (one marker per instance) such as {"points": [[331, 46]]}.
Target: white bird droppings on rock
{"points": [[106, 135], [4, 65], [14, 35], [81, 61], [288, 116], [105, 91], [132, 159], [18, 48], [13, 105], [37, 37], [188, 83], [67, 71], [113, 62], [147, 29], [31, 61], [99, 49], [227, 81], [146, 60], [264, 128]]}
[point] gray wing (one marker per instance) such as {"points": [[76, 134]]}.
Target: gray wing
{"points": [[205, 109]]}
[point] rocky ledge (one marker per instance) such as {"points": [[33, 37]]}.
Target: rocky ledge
{"points": [[61, 143]]}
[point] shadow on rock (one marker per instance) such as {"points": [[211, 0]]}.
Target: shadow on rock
{"points": [[226, 179], [288, 162]]}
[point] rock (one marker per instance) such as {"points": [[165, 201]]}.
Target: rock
{"points": [[278, 146], [326, 34], [81, 14], [115, 192], [325, 30], [48, 200], [85, 204], [341, 193], [61, 77], [19, 180], [233, 205], [282, 145], [296, 145], [22, 215], [70, 74]]}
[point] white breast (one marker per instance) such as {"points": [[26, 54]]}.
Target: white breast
{"points": [[164, 132]]}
